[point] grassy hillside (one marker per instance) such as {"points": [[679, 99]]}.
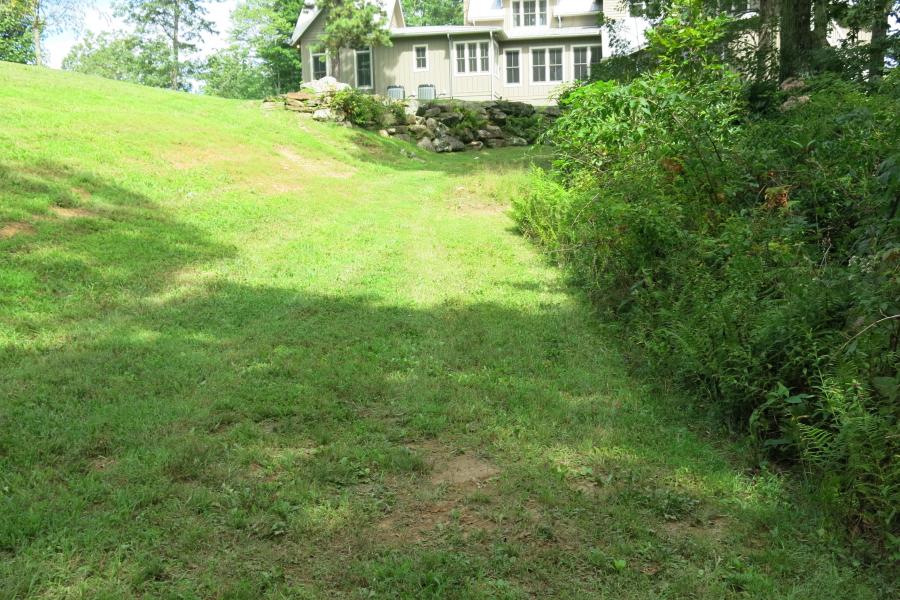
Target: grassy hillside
{"points": [[244, 355]]}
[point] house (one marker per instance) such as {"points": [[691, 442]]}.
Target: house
{"points": [[512, 49]]}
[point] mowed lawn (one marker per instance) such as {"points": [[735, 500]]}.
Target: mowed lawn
{"points": [[245, 355]]}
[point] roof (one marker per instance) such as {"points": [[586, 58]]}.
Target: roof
{"points": [[484, 10], [561, 32], [309, 12], [567, 8], [441, 30]]}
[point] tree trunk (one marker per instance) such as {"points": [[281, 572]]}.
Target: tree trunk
{"points": [[176, 20], [821, 19], [795, 37], [36, 26], [878, 44], [765, 47]]}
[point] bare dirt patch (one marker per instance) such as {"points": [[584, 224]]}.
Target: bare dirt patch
{"points": [[11, 229], [469, 200], [712, 529], [454, 477], [71, 213], [292, 160]]}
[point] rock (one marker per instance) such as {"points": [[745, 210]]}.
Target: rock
{"points": [[273, 105], [432, 111], [552, 112], [411, 108], [300, 96], [300, 108], [418, 131], [495, 142], [516, 141], [791, 84], [384, 133], [793, 102], [326, 85], [451, 118], [404, 137], [516, 109], [431, 123], [447, 143], [497, 116], [490, 131], [425, 144], [325, 114], [400, 129], [475, 145], [412, 119], [466, 135]]}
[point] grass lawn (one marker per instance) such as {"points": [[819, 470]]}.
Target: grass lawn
{"points": [[245, 355]]}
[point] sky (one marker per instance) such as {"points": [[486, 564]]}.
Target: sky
{"points": [[99, 18]]}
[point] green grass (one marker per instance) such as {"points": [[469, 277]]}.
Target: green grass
{"points": [[244, 355]]}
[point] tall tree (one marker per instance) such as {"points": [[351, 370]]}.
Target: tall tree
{"points": [[50, 16], [121, 56], [16, 41], [433, 12], [264, 28], [181, 22], [352, 24]]}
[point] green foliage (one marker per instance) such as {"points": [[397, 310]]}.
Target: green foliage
{"points": [[753, 259], [366, 110], [262, 28], [232, 73], [16, 40], [121, 56], [182, 23], [433, 12], [352, 24]]}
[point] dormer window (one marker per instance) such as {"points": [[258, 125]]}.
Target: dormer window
{"points": [[529, 13]]}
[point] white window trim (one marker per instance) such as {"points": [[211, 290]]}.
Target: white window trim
{"points": [[537, 15], [546, 65], [467, 72], [371, 68], [416, 61], [312, 66], [521, 67], [589, 55]]}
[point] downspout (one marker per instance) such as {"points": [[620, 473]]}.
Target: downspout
{"points": [[450, 62], [491, 58]]}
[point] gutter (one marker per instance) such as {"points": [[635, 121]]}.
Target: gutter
{"points": [[450, 62], [491, 65]]}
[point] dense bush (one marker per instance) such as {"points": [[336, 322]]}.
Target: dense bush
{"points": [[367, 110], [754, 258]]}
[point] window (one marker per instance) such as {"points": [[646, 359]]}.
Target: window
{"points": [[539, 65], [556, 64], [473, 57], [547, 65], [584, 58], [319, 65], [364, 68], [512, 67], [529, 13], [421, 57]]}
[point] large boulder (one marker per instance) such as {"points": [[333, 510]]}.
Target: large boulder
{"points": [[425, 143], [516, 109], [451, 118], [495, 142], [326, 85], [489, 132], [447, 143], [420, 131], [326, 114], [516, 141]]}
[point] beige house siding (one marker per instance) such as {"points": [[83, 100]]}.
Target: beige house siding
{"points": [[538, 92]]}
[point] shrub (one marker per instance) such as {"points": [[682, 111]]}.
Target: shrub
{"points": [[366, 110], [754, 259]]}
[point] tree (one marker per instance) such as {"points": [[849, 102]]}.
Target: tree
{"points": [[433, 12], [16, 41], [49, 16], [121, 56], [352, 24], [180, 22], [264, 28], [233, 73]]}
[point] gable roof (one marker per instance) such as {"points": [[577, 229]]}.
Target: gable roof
{"points": [[310, 11]]}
